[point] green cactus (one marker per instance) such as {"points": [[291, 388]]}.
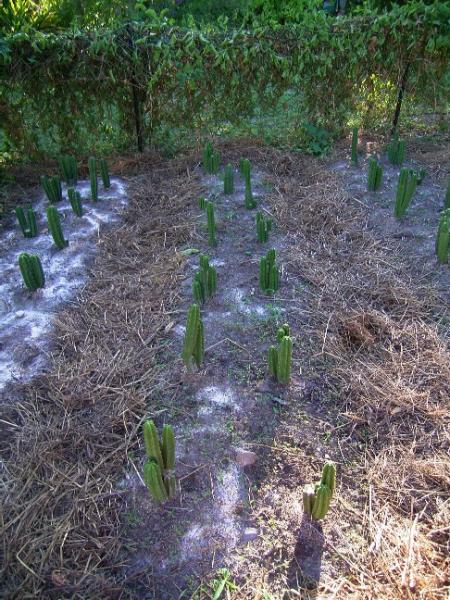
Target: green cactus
{"points": [[75, 201], [245, 168], [280, 359], [268, 273], [250, 202], [54, 225], [152, 443], [27, 221], [406, 187], [160, 478], [321, 502], [207, 156], [355, 146], [443, 237], [68, 169], [396, 150], [316, 499], [193, 347], [263, 227], [92, 166], [31, 270], [104, 173], [228, 180], [329, 476], [211, 224], [309, 495], [205, 281], [215, 162], [375, 174], [447, 196], [202, 203], [52, 188], [154, 481], [283, 331]]}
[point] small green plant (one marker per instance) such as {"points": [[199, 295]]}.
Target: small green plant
{"points": [[280, 359], [202, 203], [32, 272], [194, 343], [52, 188], [420, 175], [228, 180], [406, 187], [375, 174], [159, 474], [318, 140], [54, 225], [245, 168], [317, 498], [396, 150], [250, 202], [443, 237], [68, 168], [104, 173], [215, 162], [447, 196], [211, 224], [355, 146], [211, 159], [205, 281], [263, 227], [268, 273], [75, 201], [92, 166], [27, 221]]}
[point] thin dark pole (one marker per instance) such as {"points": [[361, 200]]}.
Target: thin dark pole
{"points": [[137, 118], [401, 91]]}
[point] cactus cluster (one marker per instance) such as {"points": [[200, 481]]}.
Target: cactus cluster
{"points": [[31, 269], [211, 159], [443, 237], [375, 175], [268, 273], [211, 223], [355, 146], [406, 187], [68, 169], [228, 180], [205, 281], [317, 498], [27, 221], [396, 150], [92, 166], [159, 473], [280, 358], [104, 173], [194, 344], [75, 201], [52, 188], [54, 225], [263, 227]]}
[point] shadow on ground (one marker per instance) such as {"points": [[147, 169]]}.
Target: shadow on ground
{"points": [[305, 568]]}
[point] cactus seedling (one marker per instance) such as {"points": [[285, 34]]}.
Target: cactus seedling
{"points": [[228, 180], [396, 150], [32, 272], [104, 173], [447, 196], [27, 221], [268, 273], [207, 156], [75, 201], [406, 187], [211, 224], [193, 347], [316, 499], [154, 481], [443, 237], [158, 471], [202, 203], [263, 227], [68, 169], [250, 202], [355, 146], [245, 168], [205, 281], [280, 359], [52, 188], [375, 174], [214, 162], [92, 165], [54, 225]]}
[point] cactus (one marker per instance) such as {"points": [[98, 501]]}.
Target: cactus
{"points": [[280, 358], [443, 237], [228, 180], [154, 481], [283, 331], [52, 188], [355, 146], [54, 225], [268, 273], [75, 201], [215, 162], [396, 150], [245, 168], [68, 169], [104, 173], [316, 499], [193, 347], [152, 444], [207, 156], [447, 196], [250, 202], [205, 281], [211, 224], [27, 221], [375, 175], [92, 165], [263, 227], [406, 187], [420, 175], [202, 203], [158, 471], [32, 272]]}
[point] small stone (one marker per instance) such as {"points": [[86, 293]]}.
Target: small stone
{"points": [[249, 534], [20, 314], [245, 457]]}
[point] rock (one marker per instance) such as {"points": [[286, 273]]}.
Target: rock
{"points": [[245, 457], [249, 534], [20, 314]]}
